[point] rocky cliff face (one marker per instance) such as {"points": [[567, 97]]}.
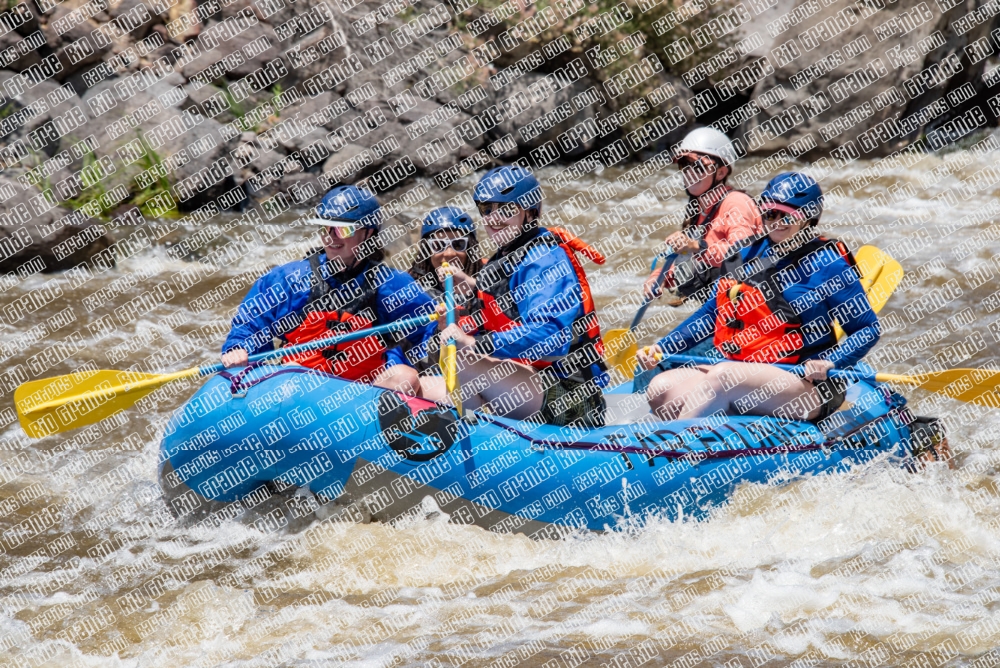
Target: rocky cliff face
{"points": [[175, 105], [866, 78]]}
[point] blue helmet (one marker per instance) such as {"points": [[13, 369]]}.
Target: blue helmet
{"points": [[447, 218], [793, 192], [510, 183], [348, 204]]}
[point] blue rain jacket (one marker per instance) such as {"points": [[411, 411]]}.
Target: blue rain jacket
{"points": [[549, 300], [284, 291], [832, 291]]}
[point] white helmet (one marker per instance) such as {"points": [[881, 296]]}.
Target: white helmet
{"points": [[708, 141]]}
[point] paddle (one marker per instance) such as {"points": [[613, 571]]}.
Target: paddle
{"points": [[880, 284], [975, 386], [880, 274], [623, 357], [54, 405], [449, 363]]}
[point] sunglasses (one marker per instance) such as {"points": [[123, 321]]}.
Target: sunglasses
{"points": [[486, 208], [779, 218], [343, 231], [461, 244], [686, 162]]}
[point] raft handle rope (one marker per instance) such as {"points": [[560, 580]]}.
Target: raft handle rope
{"points": [[540, 445], [236, 387]]}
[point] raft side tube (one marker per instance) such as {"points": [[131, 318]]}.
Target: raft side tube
{"points": [[362, 453]]}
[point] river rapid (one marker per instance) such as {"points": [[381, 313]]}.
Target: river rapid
{"points": [[877, 566]]}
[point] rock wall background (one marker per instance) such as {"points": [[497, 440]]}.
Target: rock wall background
{"points": [[174, 105]]}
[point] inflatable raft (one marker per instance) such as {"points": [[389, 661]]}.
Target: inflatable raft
{"points": [[328, 447]]}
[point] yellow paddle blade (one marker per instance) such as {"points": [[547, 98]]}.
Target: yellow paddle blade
{"points": [[619, 351], [885, 284], [54, 405], [449, 359], [975, 386], [880, 275], [870, 262]]}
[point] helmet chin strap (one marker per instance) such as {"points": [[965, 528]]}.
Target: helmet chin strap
{"points": [[368, 237], [528, 224], [715, 181]]}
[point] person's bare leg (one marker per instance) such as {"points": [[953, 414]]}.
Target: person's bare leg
{"points": [[505, 377], [400, 378], [670, 390], [434, 388], [755, 389], [787, 395]]}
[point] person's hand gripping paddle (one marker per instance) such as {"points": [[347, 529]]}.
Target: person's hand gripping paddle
{"points": [[617, 340], [449, 354]]}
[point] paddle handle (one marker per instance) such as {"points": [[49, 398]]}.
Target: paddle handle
{"points": [[798, 370], [398, 325], [449, 302], [451, 362], [667, 263]]}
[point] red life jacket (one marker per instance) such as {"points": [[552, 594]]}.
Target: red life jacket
{"points": [[500, 312], [754, 322], [360, 360]]}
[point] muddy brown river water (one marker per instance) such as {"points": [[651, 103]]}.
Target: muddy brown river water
{"points": [[873, 567]]}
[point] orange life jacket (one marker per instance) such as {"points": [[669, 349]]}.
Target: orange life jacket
{"points": [[500, 312], [754, 322], [360, 360]]}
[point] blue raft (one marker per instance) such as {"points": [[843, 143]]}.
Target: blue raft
{"points": [[328, 447]]}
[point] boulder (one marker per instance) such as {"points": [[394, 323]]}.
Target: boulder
{"points": [[817, 111], [132, 9], [186, 142], [308, 136], [185, 8], [322, 108], [49, 99], [76, 47], [253, 60], [534, 115], [429, 152], [341, 165], [313, 39], [303, 188], [59, 238], [14, 41]]}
